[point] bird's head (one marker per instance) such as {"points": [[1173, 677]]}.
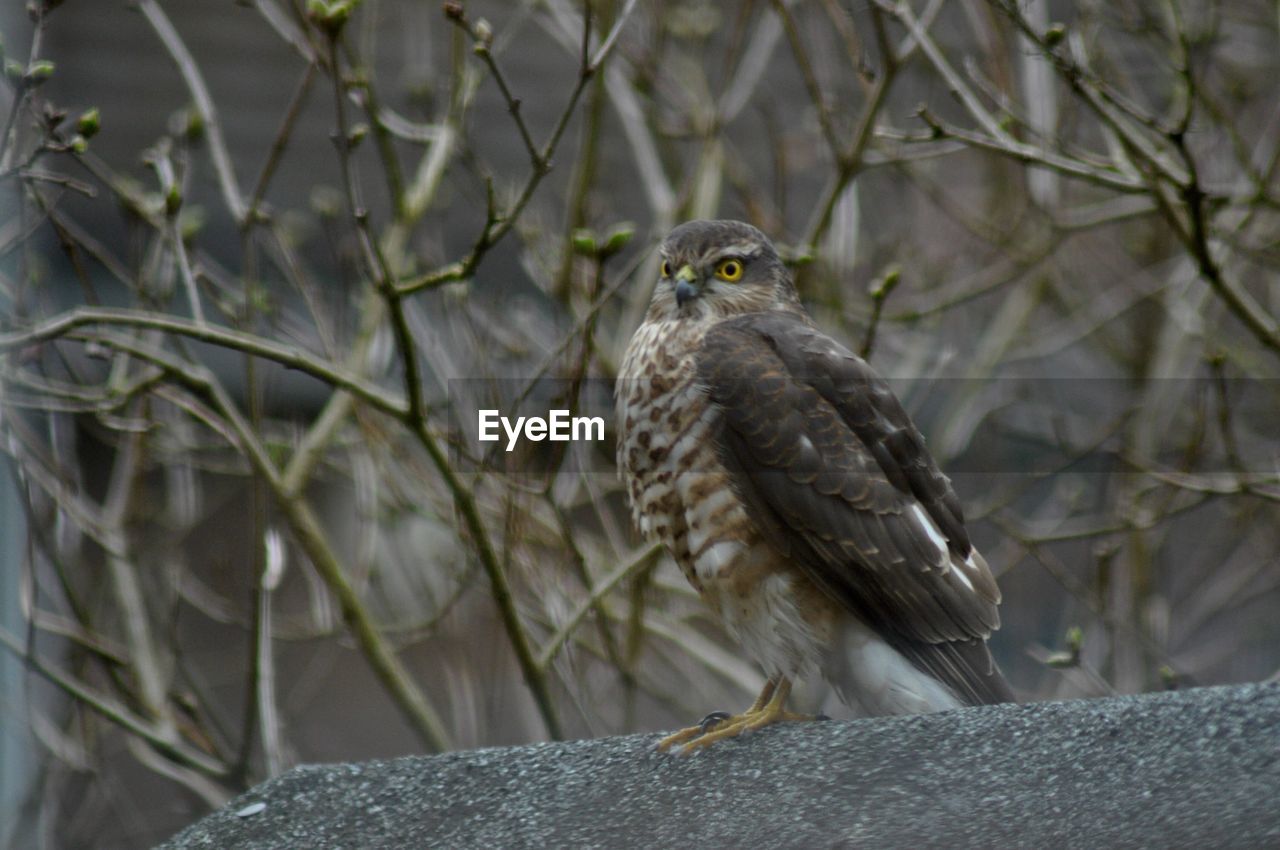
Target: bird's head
{"points": [[714, 269]]}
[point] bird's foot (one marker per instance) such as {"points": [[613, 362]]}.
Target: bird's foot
{"points": [[719, 725]]}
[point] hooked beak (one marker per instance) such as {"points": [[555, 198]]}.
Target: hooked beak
{"points": [[686, 285]]}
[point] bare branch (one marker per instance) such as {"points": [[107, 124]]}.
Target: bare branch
{"points": [[232, 339], [204, 104]]}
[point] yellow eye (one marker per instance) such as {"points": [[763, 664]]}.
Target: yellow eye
{"points": [[730, 270], [666, 269]]}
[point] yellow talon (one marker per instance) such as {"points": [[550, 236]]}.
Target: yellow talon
{"points": [[769, 708]]}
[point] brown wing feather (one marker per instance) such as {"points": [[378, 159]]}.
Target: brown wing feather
{"points": [[834, 472]]}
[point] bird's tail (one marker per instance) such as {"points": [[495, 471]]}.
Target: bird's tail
{"points": [[874, 677]]}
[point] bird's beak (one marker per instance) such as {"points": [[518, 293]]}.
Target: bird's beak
{"points": [[686, 285]]}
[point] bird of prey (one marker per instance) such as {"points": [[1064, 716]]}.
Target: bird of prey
{"points": [[795, 494]]}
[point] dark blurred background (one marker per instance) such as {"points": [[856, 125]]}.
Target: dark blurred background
{"points": [[261, 262]]}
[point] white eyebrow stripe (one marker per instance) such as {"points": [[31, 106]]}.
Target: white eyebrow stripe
{"points": [[745, 250]]}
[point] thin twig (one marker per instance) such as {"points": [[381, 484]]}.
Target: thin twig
{"points": [[495, 228], [278, 143], [591, 603], [826, 122], [204, 105], [293, 358], [175, 748]]}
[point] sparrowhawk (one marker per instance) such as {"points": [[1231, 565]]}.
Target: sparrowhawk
{"points": [[796, 494]]}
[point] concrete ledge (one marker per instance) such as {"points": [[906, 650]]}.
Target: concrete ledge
{"points": [[1195, 769]]}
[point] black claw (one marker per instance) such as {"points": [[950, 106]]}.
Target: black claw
{"points": [[713, 720], [821, 716]]}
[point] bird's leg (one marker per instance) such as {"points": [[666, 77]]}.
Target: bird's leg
{"points": [[769, 708], [715, 719], [766, 694]]}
